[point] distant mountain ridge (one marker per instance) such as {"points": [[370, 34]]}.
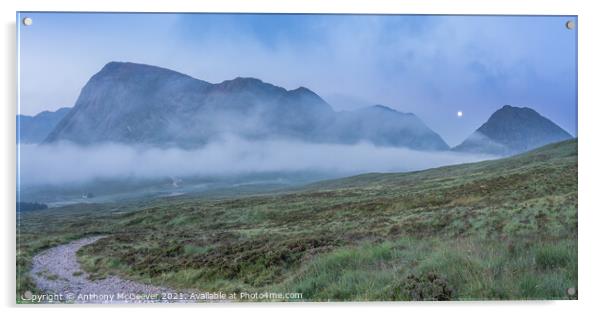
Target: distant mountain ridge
{"points": [[511, 130], [136, 103], [386, 127], [34, 129], [142, 104]]}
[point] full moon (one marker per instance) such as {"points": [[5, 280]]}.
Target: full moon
{"points": [[460, 113]]}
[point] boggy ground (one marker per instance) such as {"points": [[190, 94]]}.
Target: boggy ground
{"points": [[501, 229]]}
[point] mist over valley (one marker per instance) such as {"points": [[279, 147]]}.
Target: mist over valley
{"points": [[135, 128]]}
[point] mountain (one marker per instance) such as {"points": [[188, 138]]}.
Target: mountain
{"points": [[136, 103], [512, 130], [384, 126], [34, 129]]}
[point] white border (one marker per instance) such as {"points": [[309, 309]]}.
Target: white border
{"points": [[590, 25]]}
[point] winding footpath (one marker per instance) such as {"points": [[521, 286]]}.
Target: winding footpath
{"points": [[57, 271]]}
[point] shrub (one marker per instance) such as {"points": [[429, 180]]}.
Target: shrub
{"points": [[424, 287]]}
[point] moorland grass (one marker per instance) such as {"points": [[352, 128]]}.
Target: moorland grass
{"points": [[501, 229]]}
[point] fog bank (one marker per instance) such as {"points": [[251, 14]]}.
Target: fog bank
{"points": [[69, 163]]}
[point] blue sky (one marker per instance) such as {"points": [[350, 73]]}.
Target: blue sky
{"points": [[432, 66]]}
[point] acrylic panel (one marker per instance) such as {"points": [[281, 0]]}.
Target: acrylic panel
{"points": [[207, 157]]}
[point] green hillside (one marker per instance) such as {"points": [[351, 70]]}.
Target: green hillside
{"points": [[500, 229]]}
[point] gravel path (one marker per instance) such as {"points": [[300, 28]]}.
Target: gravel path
{"points": [[57, 271]]}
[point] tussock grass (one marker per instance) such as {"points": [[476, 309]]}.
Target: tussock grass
{"points": [[473, 269]]}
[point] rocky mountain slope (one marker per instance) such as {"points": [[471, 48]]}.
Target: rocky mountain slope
{"points": [[512, 130], [135, 103]]}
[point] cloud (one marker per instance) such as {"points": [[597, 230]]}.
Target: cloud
{"points": [[67, 163]]}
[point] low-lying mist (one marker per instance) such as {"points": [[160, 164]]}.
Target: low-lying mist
{"points": [[68, 163]]}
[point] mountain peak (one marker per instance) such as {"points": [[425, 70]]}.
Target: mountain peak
{"points": [[382, 107], [248, 84], [389, 127], [511, 130], [140, 71], [388, 110], [515, 109], [247, 80], [142, 104], [119, 65], [302, 90], [33, 129]]}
